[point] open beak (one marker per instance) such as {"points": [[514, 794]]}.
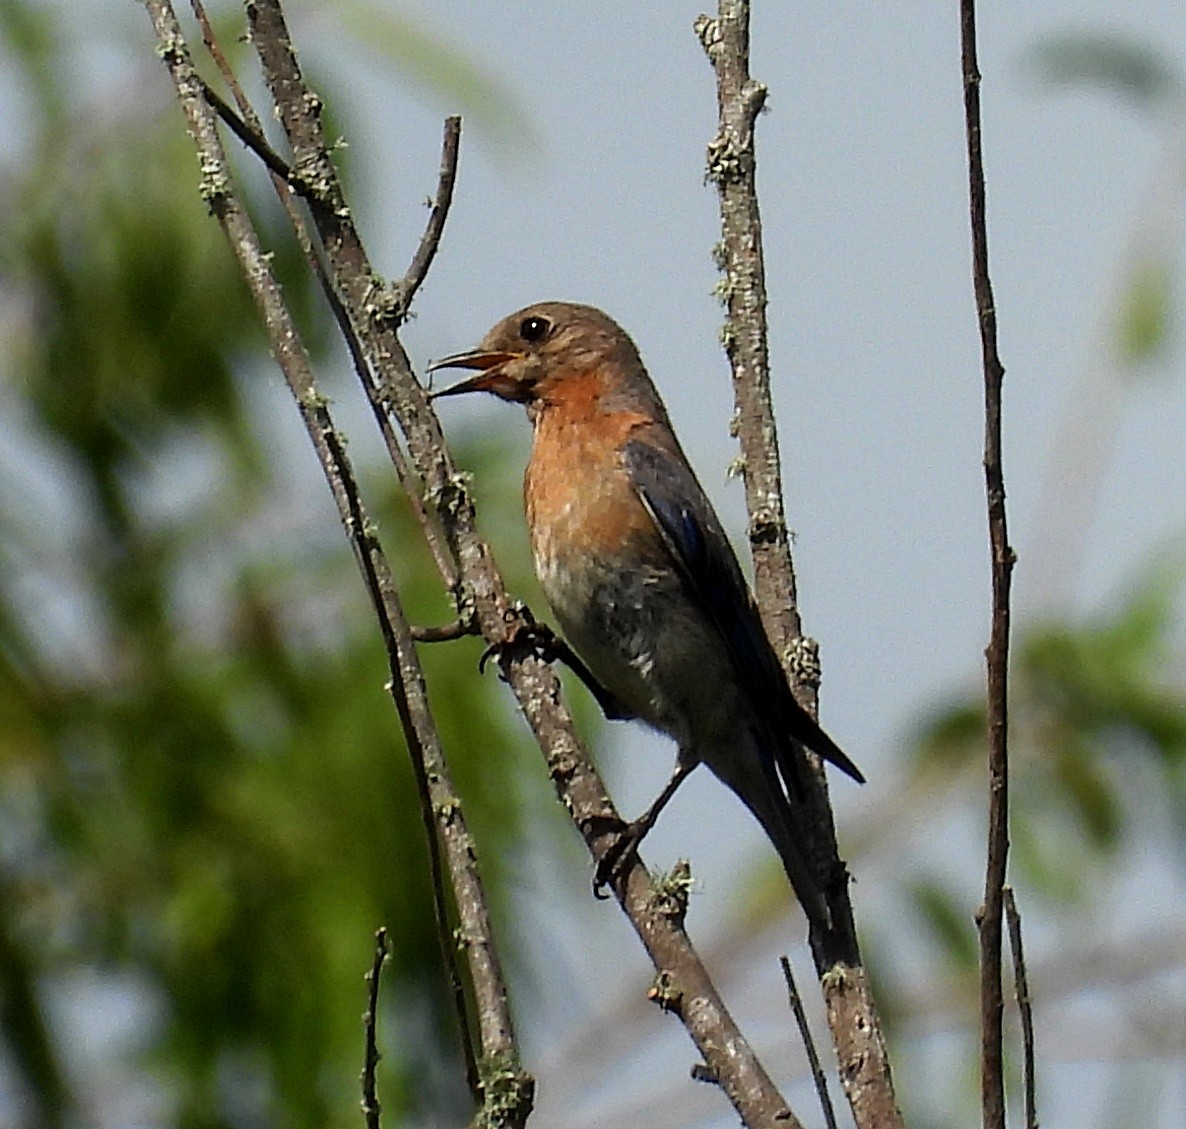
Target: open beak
{"points": [[489, 378]]}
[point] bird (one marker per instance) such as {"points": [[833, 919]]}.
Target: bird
{"points": [[642, 579]]}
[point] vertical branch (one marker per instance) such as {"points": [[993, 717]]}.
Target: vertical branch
{"points": [[851, 1010], [988, 917], [372, 1111], [732, 169]]}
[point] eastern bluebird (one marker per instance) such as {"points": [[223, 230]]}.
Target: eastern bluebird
{"points": [[640, 575]]}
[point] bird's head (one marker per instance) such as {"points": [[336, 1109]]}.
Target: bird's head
{"points": [[532, 355]]}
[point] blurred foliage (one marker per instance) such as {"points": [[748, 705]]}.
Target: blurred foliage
{"points": [[1149, 79], [460, 81], [1084, 700], [204, 793], [1146, 309], [1106, 60]]}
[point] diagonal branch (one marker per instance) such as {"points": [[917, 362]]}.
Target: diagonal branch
{"points": [[852, 1013], [245, 128], [682, 985], [503, 1083], [988, 917], [1025, 1008], [249, 129], [688, 992]]}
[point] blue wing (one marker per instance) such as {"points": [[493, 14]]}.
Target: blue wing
{"points": [[695, 539]]}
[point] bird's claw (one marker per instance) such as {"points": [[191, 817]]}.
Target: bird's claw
{"points": [[541, 642], [528, 638], [619, 855]]}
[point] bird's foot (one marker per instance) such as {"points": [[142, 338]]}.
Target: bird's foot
{"points": [[621, 853], [527, 637], [538, 640]]}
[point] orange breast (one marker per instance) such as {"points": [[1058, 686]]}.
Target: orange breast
{"points": [[578, 496]]}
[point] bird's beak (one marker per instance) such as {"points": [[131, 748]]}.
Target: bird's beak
{"points": [[489, 378]]}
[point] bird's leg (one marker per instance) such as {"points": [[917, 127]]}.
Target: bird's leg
{"points": [[539, 639], [610, 704], [628, 840]]}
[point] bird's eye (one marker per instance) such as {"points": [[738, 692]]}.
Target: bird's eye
{"points": [[534, 328]]}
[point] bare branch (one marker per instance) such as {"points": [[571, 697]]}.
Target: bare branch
{"points": [[852, 1013], [988, 917], [817, 1071], [1025, 1008], [282, 181], [371, 1110], [251, 137], [504, 1085], [282, 184], [431, 239], [249, 129], [458, 629], [479, 589]]}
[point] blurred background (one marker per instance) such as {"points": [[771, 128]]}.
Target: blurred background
{"points": [[205, 802]]}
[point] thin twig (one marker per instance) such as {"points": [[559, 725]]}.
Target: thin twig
{"points": [[513, 1089], [851, 1010], [434, 788], [371, 1110], [447, 632], [817, 1071], [1025, 1008], [431, 239], [355, 519], [219, 56], [988, 917], [251, 138]]}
